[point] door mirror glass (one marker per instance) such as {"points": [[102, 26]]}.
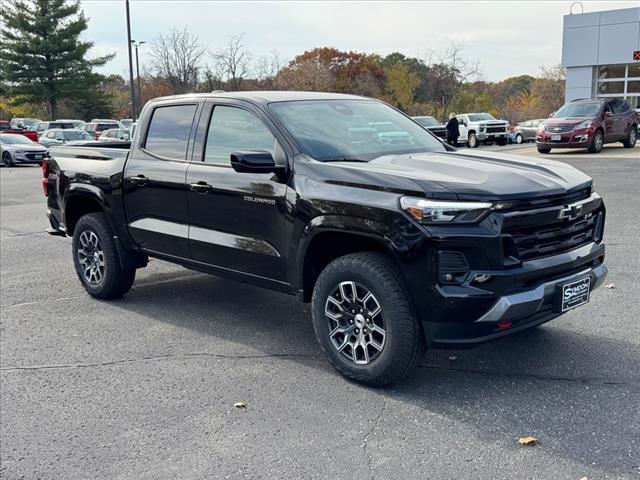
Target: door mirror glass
{"points": [[253, 162]]}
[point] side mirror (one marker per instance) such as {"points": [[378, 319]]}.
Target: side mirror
{"points": [[254, 162]]}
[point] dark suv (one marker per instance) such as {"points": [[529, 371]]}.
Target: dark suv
{"points": [[589, 123]]}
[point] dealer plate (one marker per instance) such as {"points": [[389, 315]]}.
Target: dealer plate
{"points": [[575, 293], [38, 157], [556, 138]]}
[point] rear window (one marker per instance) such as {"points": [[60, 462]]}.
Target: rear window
{"points": [[61, 125], [101, 127], [169, 131]]}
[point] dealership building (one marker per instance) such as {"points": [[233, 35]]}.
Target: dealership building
{"points": [[601, 53]]}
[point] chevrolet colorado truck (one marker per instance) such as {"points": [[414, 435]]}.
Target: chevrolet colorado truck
{"points": [[399, 246]]}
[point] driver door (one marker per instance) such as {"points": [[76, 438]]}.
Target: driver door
{"points": [[463, 126]]}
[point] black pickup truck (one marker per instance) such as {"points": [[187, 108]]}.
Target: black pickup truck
{"points": [[399, 242]]}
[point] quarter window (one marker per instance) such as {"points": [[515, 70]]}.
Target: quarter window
{"points": [[234, 129], [169, 131]]}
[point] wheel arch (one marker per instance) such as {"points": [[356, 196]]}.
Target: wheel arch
{"points": [[330, 237]]}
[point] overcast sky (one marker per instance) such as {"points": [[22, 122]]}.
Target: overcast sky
{"points": [[509, 38]]}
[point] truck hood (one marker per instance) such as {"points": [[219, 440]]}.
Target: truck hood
{"points": [[457, 175]]}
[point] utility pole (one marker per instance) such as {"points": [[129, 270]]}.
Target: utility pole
{"points": [[138, 44], [133, 94]]}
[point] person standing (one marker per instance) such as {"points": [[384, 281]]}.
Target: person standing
{"points": [[453, 130]]}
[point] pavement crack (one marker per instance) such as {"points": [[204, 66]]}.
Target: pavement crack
{"points": [[21, 234], [365, 441], [151, 358], [532, 376]]}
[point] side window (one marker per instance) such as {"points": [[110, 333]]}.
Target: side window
{"points": [[169, 131], [619, 106], [233, 129]]}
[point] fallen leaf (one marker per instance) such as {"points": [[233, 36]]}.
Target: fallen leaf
{"points": [[610, 285], [240, 405], [527, 440]]}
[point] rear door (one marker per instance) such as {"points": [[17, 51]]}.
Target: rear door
{"points": [[239, 222], [155, 189], [621, 117]]}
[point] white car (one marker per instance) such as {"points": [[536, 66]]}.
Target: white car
{"points": [[477, 128], [17, 148], [114, 135]]}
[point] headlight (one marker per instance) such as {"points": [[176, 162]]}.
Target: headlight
{"points": [[585, 124], [18, 151], [481, 128], [441, 211]]}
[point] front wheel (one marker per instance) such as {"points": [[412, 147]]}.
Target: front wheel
{"points": [[630, 141], [519, 139], [543, 150], [6, 159], [472, 141], [96, 259], [364, 320], [597, 143]]}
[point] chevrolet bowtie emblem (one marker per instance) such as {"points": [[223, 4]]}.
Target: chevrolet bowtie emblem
{"points": [[570, 212]]}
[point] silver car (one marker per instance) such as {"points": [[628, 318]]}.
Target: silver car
{"points": [[15, 148], [114, 135], [525, 131], [62, 136]]}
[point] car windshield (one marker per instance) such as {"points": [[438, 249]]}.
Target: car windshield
{"points": [[15, 139], [427, 121], [352, 129], [578, 110], [77, 135], [480, 117]]}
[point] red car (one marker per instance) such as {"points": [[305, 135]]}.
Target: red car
{"points": [[5, 127], [589, 123]]}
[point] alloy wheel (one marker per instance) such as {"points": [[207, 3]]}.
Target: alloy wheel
{"points": [[598, 141], [356, 323], [91, 257]]}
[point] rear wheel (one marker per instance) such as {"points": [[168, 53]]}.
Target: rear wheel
{"points": [[597, 142], [519, 138], [364, 320], [472, 140], [6, 159], [96, 259], [543, 150], [630, 141]]}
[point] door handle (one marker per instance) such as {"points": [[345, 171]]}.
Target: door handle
{"points": [[139, 180], [201, 187]]}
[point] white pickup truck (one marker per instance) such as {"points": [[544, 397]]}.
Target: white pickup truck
{"points": [[477, 128]]}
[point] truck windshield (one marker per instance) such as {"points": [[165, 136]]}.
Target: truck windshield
{"points": [[352, 129], [480, 117]]}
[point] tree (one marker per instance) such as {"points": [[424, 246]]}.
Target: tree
{"points": [[233, 62], [42, 58], [267, 68], [402, 85], [176, 57]]}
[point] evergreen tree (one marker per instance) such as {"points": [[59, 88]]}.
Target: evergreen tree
{"points": [[42, 58]]}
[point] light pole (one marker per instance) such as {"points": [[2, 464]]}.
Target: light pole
{"points": [[133, 95], [138, 44]]}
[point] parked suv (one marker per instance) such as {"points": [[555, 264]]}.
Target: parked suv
{"points": [[477, 128], [398, 245], [589, 123], [95, 128]]}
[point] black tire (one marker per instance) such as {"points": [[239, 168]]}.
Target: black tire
{"points": [[114, 280], [632, 137], [597, 142], [472, 140], [543, 150], [403, 343], [501, 143], [519, 138], [6, 159]]}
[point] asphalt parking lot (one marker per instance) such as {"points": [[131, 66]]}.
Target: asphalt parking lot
{"points": [[144, 387]]}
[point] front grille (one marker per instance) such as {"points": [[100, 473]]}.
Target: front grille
{"points": [[32, 156], [551, 239], [496, 129], [560, 129]]}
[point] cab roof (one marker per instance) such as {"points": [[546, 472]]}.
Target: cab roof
{"points": [[265, 97]]}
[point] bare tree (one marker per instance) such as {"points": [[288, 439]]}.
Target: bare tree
{"points": [[448, 71], [176, 57], [267, 68], [233, 60]]}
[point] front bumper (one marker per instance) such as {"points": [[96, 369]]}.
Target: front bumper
{"points": [[25, 158], [573, 139], [484, 136], [534, 301]]}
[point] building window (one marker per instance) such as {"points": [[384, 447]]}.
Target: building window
{"points": [[605, 88], [634, 70], [633, 86], [611, 71]]}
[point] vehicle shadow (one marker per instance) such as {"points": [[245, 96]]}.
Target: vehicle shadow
{"points": [[550, 382]]}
